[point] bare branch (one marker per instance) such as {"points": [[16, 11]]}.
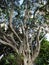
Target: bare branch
{"points": [[9, 44], [13, 40], [36, 53], [42, 38], [11, 14], [40, 8], [23, 28], [6, 39]]}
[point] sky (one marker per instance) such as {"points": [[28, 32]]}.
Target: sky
{"points": [[21, 1], [47, 36]]}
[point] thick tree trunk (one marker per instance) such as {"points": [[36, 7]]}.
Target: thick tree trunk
{"points": [[28, 61]]}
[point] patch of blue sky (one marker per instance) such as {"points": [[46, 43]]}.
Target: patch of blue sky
{"points": [[21, 1], [47, 36]]}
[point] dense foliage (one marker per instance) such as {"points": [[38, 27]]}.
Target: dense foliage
{"points": [[43, 58], [12, 59]]}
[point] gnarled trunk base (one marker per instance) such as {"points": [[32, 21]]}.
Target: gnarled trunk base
{"points": [[28, 61]]}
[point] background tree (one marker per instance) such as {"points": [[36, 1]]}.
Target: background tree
{"points": [[43, 58], [23, 26]]}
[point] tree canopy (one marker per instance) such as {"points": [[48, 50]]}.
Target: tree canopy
{"points": [[23, 25]]}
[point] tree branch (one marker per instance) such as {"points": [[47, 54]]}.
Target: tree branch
{"points": [[36, 53], [42, 38], [6, 39], [9, 44], [23, 28], [10, 23], [13, 40], [40, 8]]}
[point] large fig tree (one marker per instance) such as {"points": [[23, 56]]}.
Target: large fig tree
{"points": [[23, 25]]}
